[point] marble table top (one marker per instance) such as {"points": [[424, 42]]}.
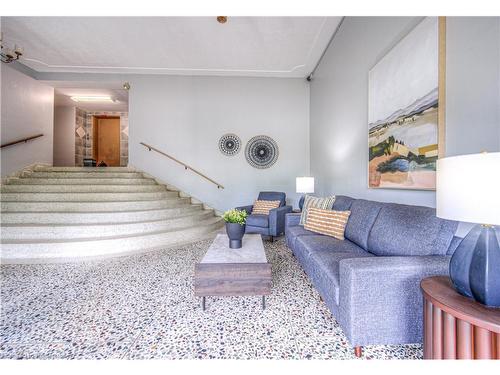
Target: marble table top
{"points": [[252, 250]]}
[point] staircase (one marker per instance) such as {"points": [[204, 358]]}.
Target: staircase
{"points": [[62, 214]]}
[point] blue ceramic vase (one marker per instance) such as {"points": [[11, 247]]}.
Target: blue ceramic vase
{"points": [[475, 265], [235, 233]]}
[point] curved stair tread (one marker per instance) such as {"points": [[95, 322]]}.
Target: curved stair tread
{"points": [[59, 214], [87, 197], [200, 223], [79, 217]]}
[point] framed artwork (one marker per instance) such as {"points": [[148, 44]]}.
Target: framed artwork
{"points": [[406, 111]]}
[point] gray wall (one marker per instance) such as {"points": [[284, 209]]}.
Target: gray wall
{"points": [[27, 109], [472, 85], [339, 100], [186, 116], [64, 136]]}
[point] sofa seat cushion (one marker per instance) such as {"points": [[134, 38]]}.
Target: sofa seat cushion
{"points": [[325, 268], [257, 220], [292, 233], [318, 242], [402, 230]]}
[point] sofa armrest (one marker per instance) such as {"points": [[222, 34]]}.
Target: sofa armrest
{"points": [[292, 219], [380, 297], [277, 220], [248, 209]]}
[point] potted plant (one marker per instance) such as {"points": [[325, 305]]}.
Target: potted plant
{"points": [[235, 226]]}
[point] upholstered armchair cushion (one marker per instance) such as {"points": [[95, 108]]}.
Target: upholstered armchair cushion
{"points": [[257, 220]]}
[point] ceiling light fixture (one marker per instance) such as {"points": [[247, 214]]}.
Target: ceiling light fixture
{"points": [[221, 19], [93, 98], [9, 54]]}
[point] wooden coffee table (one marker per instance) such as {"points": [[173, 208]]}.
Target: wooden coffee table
{"points": [[233, 272]]}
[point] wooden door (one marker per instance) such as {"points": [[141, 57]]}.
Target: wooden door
{"points": [[108, 141]]}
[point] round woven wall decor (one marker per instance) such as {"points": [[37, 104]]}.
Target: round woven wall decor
{"points": [[229, 144], [261, 151]]}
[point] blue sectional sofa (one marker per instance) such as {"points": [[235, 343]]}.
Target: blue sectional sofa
{"points": [[371, 280]]}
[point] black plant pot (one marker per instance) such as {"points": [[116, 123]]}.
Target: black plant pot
{"points": [[475, 265], [235, 233]]}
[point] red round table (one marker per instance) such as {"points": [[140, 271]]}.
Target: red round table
{"points": [[457, 327]]}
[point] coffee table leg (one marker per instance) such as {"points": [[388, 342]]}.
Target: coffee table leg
{"points": [[203, 300], [263, 302]]}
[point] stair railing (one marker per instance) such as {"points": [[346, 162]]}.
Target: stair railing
{"points": [[186, 166], [24, 140]]}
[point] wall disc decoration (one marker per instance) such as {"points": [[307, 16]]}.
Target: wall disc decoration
{"points": [[229, 144], [261, 151]]}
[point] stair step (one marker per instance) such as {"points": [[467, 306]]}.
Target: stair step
{"points": [[90, 174], [83, 169], [60, 214], [86, 197], [15, 188], [64, 251], [84, 218], [81, 181], [39, 232], [91, 206]]}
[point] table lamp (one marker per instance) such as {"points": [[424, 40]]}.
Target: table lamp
{"points": [[304, 185], [468, 189]]}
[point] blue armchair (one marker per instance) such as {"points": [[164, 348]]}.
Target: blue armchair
{"points": [[273, 224]]}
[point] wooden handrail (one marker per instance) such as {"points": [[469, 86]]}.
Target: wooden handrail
{"points": [[186, 166], [24, 140]]}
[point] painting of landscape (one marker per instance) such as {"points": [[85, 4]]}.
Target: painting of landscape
{"points": [[403, 112]]}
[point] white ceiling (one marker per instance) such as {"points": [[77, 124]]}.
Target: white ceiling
{"points": [[244, 46], [62, 97]]}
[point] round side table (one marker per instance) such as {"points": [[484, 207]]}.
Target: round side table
{"points": [[457, 327]]}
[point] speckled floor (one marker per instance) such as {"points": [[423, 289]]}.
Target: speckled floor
{"points": [[141, 307]]}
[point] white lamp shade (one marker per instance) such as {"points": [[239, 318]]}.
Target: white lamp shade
{"points": [[468, 188], [304, 184]]}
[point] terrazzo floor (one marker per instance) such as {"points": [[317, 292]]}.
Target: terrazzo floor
{"points": [[142, 307]]}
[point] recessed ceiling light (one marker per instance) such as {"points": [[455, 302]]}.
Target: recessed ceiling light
{"points": [[93, 98], [221, 19]]}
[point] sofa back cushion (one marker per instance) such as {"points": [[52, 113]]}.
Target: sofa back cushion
{"points": [[342, 203], [363, 215], [273, 196], [402, 230]]}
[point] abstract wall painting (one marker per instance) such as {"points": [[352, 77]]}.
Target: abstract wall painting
{"points": [[403, 112]]}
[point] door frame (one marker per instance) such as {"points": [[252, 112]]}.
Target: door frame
{"points": [[95, 133]]}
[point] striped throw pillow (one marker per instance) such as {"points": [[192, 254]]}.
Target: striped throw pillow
{"points": [[310, 201], [329, 222], [263, 207]]}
